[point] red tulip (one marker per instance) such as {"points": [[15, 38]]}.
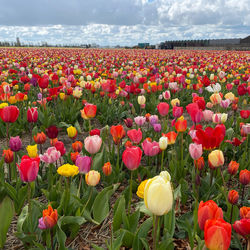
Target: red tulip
{"points": [[242, 227], [131, 157], [199, 163], [90, 110], [32, 114], [208, 210], [43, 82], [163, 108], [59, 145], [117, 133], [195, 112], [128, 122], [210, 138], [9, 113], [52, 132], [171, 137], [245, 177], [177, 111], [95, 132], [135, 135], [242, 89], [28, 168], [245, 114], [217, 234]]}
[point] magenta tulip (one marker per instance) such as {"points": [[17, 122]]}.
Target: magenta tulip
{"points": [[135, 135]]}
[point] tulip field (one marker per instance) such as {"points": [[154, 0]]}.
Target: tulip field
{"points": [[124, 149]]}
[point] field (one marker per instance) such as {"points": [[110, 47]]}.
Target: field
{"points": [[124, 149]]}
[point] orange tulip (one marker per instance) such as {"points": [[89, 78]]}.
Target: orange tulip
{"points": [[8, 156], [217, 234], [245, 212], [118, 133], [181, 125], [171, 137], [50, 217]]}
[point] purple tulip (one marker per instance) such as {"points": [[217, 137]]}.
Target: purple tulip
{"points": [[41, 224], [84, 164], [153, 119], [15, 143], [157, 127]]}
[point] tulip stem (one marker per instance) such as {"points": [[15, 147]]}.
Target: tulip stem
{"points": [[9, 172], [181, 153], [248, 244], [231, 215], [155, 232], [211, 176], [242, 195], [224, 184], [130, 192], [30, 132], [79, 188], [7, 134], [29, 206], [162, 158], [89, 125], [118, 153]]}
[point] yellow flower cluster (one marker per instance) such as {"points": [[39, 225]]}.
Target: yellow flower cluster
{"points": [[68, 170]]}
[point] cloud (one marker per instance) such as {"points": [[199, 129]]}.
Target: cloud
{"points": [[124, 22]]}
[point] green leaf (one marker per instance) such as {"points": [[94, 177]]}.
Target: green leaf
{"points": [[117, 220], [21, 219], [133, 221], [73, 220], [63, 124], [98, 161], [22, 194], [60, 235], [96, 247], [77, 126], [128, 237], [169, 222], [6, 214], [101, 204]]}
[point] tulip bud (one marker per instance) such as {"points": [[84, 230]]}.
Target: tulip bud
{"points": [[40, 138], [74, 156], [195, 150], [163, 143], [245, 212], [15, 143], [92, 178], [128, 122], [233, 197], [216, 158], [197, 180], [223, 117], [32, 114], [8, 156], [77, 146], [107, 169], [245, 177], [199, 163], [72, 132], [233, 167]]}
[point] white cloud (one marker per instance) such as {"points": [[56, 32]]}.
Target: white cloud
{"points": [[124, 22]]}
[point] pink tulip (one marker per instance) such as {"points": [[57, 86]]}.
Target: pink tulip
{"points": [[150, 148], [195, 150], [166, 95], [83, 163], [140, 120], [177, 111], [51, 155], [163, 108], [135, 135], [93, 144], [207, 115], [225, 103], [131, 157]]}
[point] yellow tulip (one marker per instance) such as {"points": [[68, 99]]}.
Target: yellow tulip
{"points": [[175, 101], [92, 178], [32, 150], [216, 158], [158, 194], [141, 99], [68, 170], [72, 132], [140, 189]]}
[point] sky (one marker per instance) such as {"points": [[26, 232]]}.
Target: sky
{"points": [[122, 22]]}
